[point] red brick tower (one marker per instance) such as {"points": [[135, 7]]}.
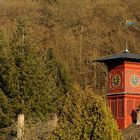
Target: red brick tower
{"points": [[123, 95]]}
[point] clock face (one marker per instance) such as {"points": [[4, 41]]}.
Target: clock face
{"points": [[116, 80], [134, 80]]}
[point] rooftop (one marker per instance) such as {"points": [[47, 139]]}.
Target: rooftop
{"points": [[124, 55]]}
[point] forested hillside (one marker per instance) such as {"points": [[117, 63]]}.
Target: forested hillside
{"points": [[47, 46], [79, 31]]}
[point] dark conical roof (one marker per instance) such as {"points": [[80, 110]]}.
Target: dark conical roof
{"points": [[125, 55]]}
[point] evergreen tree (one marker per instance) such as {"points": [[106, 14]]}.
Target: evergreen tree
{"points": [[30, 81], [85, 116]]}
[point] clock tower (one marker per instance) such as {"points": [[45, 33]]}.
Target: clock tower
{"points": [[123, 96]]}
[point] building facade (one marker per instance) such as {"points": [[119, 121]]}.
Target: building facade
{"points": [[123, 96]]}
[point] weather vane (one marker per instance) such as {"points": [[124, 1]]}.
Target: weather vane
{"points": [[126, 47]]}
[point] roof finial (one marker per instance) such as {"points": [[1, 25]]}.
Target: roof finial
{"points": [[126, 47]]}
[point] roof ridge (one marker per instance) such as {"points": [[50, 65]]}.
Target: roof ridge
{"points": [[121, 55]]}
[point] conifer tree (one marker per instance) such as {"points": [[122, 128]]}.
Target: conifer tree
{"points": [[85, 116], [30, 81]]}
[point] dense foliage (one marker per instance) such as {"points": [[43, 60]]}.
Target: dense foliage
{"points": [[78, 30], [29, 81], [34, 80], [85, 116]]}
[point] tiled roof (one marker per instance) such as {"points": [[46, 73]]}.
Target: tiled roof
{"points": [[125, 55]]}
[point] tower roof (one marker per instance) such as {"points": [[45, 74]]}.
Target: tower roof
{"points": [[122, 56]]}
